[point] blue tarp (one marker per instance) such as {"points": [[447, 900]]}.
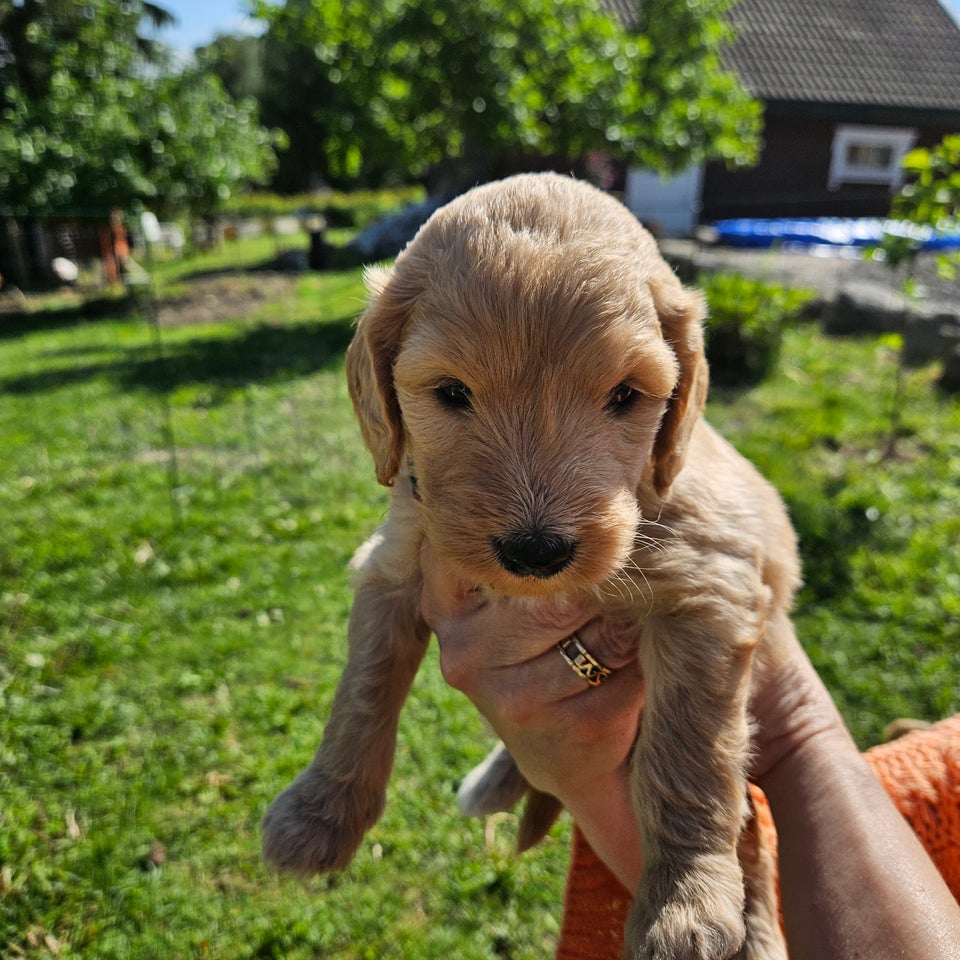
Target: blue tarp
{"points": [[829, 231]]}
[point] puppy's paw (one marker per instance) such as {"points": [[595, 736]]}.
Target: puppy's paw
{"points": [[315, 826], [702, 918], [494, 785], [682, 932]]}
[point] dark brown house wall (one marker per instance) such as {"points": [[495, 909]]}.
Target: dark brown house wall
{"points": [[791, 179]]}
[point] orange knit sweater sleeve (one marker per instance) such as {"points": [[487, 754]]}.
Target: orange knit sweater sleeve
{"points": [[920, 771]]}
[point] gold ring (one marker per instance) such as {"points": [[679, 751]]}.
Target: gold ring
{"points": [[584, 665]]}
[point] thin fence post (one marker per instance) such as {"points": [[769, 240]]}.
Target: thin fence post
{"points": [[166, 408], [14, 244], [253, 440]]}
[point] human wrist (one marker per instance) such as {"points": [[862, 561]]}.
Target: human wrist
{"points": [[793, 712], [793, 758], [607, 819]]}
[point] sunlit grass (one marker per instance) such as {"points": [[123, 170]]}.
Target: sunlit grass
{"points": [[173, 601]]}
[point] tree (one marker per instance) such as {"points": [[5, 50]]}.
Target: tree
{"points": [[406, 85], [300, 98], [930, 199], [93, 116], [237, 61], [928, 202], [681, 106], [197, 145]]}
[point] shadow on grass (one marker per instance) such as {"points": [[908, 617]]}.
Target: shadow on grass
{"points": [[830, 533], [16, 323], [327, 258], [263, 353], [259, 354]]}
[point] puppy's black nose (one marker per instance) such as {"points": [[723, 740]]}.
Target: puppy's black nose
{"points": [[534, 553]]}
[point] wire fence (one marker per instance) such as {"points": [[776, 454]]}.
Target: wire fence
{"points": [[199, 391]]}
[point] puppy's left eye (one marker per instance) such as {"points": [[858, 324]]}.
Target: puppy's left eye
{"points": [[622, 398], [454, 395]]}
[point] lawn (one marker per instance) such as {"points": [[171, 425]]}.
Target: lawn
{"points": [[178, 514]]}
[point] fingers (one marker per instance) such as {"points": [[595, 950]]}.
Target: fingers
{"points": [[472, 621], [501, 652], [611, 643], [545, 687], [566, 744], [524, 655], [595, 715], [444, 595]]}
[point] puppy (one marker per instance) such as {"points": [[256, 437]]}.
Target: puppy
{"points": [[529, 378]]}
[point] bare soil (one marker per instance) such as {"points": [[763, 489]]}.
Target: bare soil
{"points": [[217, 296]]}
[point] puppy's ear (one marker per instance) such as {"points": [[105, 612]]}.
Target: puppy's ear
{"points": [[370, 359], [681, 313]]}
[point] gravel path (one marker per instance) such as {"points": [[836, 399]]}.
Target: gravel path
{"points": [[830, 274]]}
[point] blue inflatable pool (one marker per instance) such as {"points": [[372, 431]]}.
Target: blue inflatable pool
{"points": [[827, 231]]}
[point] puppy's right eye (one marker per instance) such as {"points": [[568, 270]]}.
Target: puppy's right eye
{"points": [[454, 395], [622, 398]]}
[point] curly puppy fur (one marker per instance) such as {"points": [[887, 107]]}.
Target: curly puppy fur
{"points": [[529, 378]]}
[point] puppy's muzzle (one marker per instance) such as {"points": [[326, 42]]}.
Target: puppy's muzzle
{"points": [[534, 553]]}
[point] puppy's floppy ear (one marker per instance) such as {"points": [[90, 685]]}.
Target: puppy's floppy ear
{"points": [[370, 359], [681, 313]]}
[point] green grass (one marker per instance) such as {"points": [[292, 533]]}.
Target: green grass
{"points": [[879, 611], [171, 631]]}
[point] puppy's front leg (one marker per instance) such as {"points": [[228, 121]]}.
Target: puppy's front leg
{"points": [[688, 771], [317, 823]]}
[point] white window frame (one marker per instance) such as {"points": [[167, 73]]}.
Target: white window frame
{"points": [[900, 140]]}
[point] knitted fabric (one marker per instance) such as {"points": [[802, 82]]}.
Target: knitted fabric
{"points": [[920, 771]]}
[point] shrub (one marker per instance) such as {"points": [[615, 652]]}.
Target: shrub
{"points": [[355, 210], [745, 325]]}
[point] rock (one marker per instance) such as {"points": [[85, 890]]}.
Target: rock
{"points": [[390, 234], [950, 378], [930, 336], [866, 308], [293, 261]]}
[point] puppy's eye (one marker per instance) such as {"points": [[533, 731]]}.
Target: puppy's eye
{"points": [[454, 395], [622, 398]]}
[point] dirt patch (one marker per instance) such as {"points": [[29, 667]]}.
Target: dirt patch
{"points": [[224, 296]]}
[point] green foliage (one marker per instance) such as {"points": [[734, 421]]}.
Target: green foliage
{"points": [[238, 63], [88, 121], [409, 86], [680, 106], [877, 612], [745, 325], [198, 145], [68, 96], [356, 209], [930, 198]]}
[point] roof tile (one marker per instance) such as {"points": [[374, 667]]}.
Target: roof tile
{"points": [[898, 53], [882, 53]]}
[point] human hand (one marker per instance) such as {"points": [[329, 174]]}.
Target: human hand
{"points": [[568, 738], [573, 740], [501, 652], [564, 734]]}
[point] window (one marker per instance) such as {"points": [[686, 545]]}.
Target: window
{"points": [[869, 155]]}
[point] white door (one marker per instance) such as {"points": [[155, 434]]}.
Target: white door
{"points": [[668, 206]]}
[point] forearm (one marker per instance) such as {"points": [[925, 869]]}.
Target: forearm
{"points": [[854, 880], [606, 818]]}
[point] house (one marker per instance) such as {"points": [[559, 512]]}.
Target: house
{"points": [[848, 87]]}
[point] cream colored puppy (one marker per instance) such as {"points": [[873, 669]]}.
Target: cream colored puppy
{"points": [[529, 378]]}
